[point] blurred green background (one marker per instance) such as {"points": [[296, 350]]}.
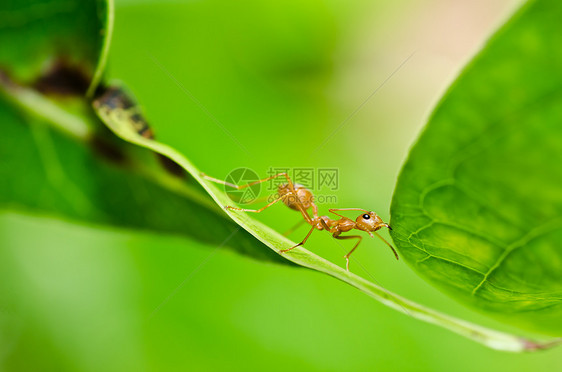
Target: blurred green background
{"points": [[281, 77]]}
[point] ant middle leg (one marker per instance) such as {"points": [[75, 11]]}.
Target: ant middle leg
{"points": [[293, 228], [351, 251]]}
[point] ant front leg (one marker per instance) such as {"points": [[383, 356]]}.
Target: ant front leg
{"points": [[351, 251], [387, 243]]}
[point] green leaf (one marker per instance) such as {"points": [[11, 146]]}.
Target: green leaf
{"points": [[65, 179], [478, 206], [119, 120], [74, 168], [46, 40], [51, 52]]}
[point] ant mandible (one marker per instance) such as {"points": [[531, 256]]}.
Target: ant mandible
{"points": [[299, 198]]}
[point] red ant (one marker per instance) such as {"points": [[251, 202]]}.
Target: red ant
{"points": [[299, 198]]}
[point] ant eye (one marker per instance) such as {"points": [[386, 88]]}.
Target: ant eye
{"points": [[366, 216]]}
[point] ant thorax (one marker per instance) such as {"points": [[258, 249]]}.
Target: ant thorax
{"points": [[342, 225]]}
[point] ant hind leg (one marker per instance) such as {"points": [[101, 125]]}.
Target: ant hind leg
{"points": [[256, 210], [301, 243], [240, 187]]}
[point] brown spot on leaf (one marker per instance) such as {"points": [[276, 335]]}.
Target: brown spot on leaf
{"points": [[4, 78], [115, 98], [63, 79]]}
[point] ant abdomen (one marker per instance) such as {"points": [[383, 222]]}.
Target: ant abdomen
{"points": [[304, 197]]}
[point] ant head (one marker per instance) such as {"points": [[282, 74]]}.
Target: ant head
{"points": [[369, 221]]}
